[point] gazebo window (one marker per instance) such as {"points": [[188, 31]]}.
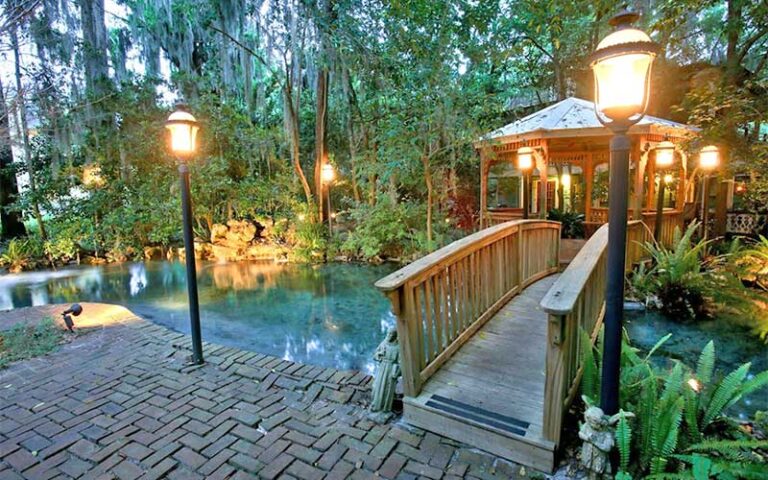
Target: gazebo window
{"points": [[504, 187]]}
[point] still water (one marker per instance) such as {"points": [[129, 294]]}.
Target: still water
{"points": [[734, 345], [328, 315]]}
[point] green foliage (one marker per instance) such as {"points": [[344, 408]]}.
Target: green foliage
{"points": [[16, 255], [26, 341], [690, 283], [572, 223], [752, 263], [680, 413], [385, 230]]}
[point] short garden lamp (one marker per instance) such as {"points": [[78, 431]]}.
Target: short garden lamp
{"points": [[665, 157], [621, 65], [328, 175], [183, 129], [709, 159], [525, 165]]}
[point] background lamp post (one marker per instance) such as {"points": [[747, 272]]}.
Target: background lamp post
{"points": [[525, 164], [183, 128], [328, 175], [709, 159], [665, 157], [622, 69]]}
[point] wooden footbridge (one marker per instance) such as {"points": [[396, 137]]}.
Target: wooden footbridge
{"points": [[489, 335]]}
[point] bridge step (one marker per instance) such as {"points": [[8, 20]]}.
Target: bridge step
{"points": [[504, 436]]}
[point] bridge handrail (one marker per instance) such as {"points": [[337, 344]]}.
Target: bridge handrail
{"points": [[575, 303], [442, 299]]}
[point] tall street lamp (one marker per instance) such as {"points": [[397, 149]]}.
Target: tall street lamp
{"points": [[328, 175], [709, 159], [525, 165], [184, 128], [622, 69], [665, 157]]}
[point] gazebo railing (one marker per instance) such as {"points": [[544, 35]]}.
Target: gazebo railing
{"points": [[442, 299]]}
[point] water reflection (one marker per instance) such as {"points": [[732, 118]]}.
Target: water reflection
{"points": [[327, 315]]}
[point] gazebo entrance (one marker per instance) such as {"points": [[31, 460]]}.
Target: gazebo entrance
{"points": [[571, 167]]}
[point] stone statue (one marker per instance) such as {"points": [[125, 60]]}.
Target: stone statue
{"points": [[597, 432], [387, 356]]}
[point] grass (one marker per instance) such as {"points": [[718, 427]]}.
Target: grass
{"points": [[27, 341]]}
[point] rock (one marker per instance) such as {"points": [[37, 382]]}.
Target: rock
{"points": [[202, 251], [240, 232], [631, 306], [223, 253], [153, 253], [218, 232], [91, 260]]}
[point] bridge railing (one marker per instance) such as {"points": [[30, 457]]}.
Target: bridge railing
{"points": [[442, 299], [576, 302]]}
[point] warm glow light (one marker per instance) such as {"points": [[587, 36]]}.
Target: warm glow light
{"points": [[566, 180], [741, 188], [695, 385], [622, 65], [92, 176], [709, 158], [327, 173], [302, 217], [183, 128], [333, 215], [665, 154], [668, 178], [525, 158]]}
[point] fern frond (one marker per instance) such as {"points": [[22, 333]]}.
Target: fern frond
{"points": [[658, 345], [724, 394], [623, 440], [706, 364]]}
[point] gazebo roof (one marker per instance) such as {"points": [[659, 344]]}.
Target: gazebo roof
{"points": [[574, 117]]}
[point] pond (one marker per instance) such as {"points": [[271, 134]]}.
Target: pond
{"points": [[734, 345], [329, 315]]}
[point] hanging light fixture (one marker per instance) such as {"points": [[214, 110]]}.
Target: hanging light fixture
{"points": [[665, 154], [709, 157]]}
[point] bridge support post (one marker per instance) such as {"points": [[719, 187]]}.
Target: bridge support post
{"points": [[614, 295]]}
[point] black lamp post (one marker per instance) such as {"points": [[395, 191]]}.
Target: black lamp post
{"points": [[709, 159], [184, 128], [622, 69], [665, 157], [525, 164]]}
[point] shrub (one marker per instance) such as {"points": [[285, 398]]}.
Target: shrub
{"points": [[384, 230], [752, 263], [16, 256], [572, 223], [679, 421]]}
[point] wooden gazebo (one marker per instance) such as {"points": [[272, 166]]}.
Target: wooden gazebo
{"points": [[571, 152]]}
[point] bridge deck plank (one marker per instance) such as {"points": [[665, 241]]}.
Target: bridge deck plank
{"points": [[501, 369]]}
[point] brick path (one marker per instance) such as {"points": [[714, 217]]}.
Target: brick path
{"points": [[119, 402]]}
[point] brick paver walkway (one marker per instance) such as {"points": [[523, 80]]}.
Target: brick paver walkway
{"points": [[119, 402]]}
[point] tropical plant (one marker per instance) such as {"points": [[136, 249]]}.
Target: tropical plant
{"points": [[572, 223], [16, 255], [752, 263], [688, 282], [679, 414]]}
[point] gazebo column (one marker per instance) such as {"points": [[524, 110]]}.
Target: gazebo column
{"points": [[542, 165], [589, 172], [682, 182], [640, 156]]}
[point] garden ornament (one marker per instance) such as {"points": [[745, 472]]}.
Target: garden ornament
{"points": [[387, 356], [75, 310], [598, 435]]}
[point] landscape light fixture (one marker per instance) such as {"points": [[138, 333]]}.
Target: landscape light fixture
{"points": [[709, 159], [183, 130], [525, 165], [622, 69]]}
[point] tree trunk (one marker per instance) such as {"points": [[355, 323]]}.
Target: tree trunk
{"points": [[10, 219], [24, 133], [321, 121], [428, 183], [292, 125]]}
